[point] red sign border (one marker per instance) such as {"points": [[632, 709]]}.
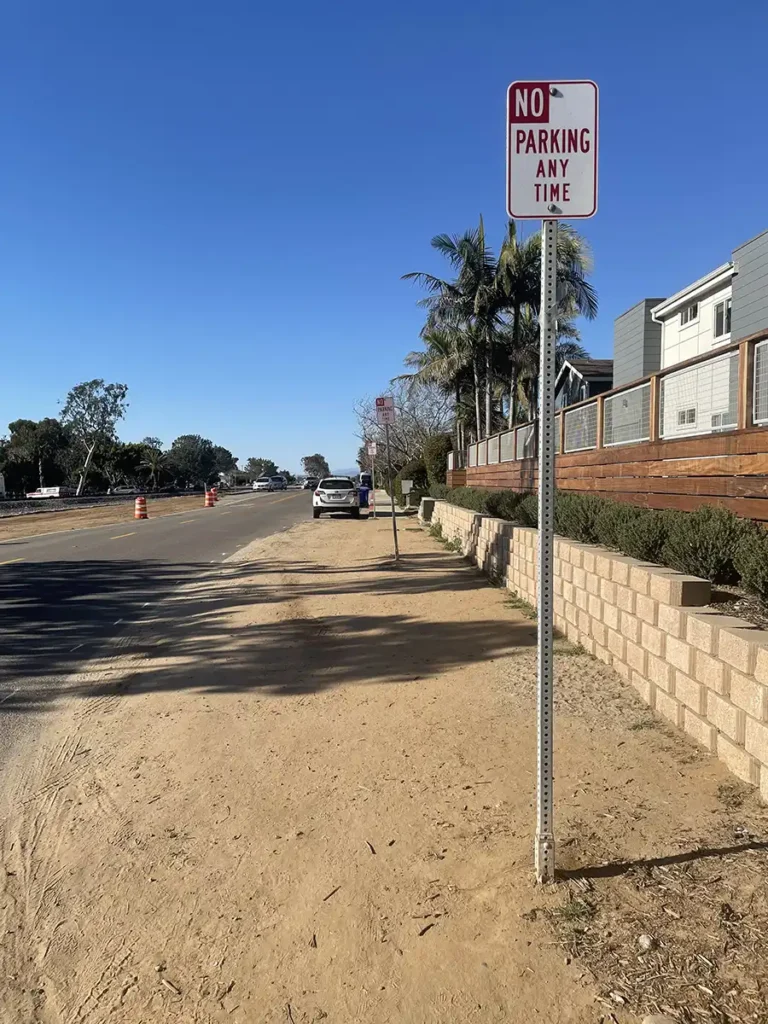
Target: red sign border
{"points": [[536, 216]]}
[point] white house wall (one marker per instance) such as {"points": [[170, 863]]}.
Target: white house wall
{"points": [[681, 342]]}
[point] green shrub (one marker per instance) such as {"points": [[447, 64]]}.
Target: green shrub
{"points": [[703, 543], [751, 560], [503, 504], [644, 536], [473, 498], [435, 455], [416, 471], [528, 510], [439, 490], [611, 519], [575, 516]]}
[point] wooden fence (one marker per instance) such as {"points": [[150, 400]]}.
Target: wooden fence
{"points": [[699, 429]]}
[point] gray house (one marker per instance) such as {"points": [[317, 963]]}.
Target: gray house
{"points": [[729, 303]]}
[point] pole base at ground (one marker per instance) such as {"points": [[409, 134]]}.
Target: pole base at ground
{"points": [[545, 858]]}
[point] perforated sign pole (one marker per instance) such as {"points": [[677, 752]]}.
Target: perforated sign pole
{"points": [[391, 491], [545, 832]]}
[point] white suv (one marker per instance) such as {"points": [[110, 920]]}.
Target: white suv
{"points": [[264, 483], [336, 494]]}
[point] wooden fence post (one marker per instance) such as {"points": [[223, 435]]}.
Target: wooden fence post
{"points": [[746, 383], [599, 422], [654, 427]]}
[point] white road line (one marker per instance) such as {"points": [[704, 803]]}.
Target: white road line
{"points": [[75, 648]]}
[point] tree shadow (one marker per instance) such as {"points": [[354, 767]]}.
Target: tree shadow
{"points": [[56, 616]]}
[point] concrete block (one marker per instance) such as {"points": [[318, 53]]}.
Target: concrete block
{"points": [[630, 626], [588, 561], [582, 599], [583, 621], [571, 613], [756, 740], [761, 665], [611, 615], [608, 590], [645, 609], [710, 671], [616, 644], [602, 654], [620, 568], [739, 646], [586, 641], [671, 620], [576, 556], [595, 607], [636, 657], [735, 757], [599, 631], [668, 707], [728, 719], [644, 687], [568, 592], [593, 583], [557, 586], [579, 578], [678, 653], [622, 669], [747, 693], [640, 579], [572, 632], [763, 772], [699, 729], [603, 566], [690, 693], [660, 673], [625, 598], [652, 640], [559, 606], [670, 587], [701, 633]]}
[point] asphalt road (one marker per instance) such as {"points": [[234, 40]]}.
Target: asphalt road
{"points": [[66, 598]]}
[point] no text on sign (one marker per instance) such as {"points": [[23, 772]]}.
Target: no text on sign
{"points": [[552, 150], [385, 410]]}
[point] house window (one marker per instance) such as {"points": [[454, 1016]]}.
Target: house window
{"points": [[686, 417], [722, 319], [689, 314]]}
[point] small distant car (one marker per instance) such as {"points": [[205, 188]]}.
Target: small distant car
{"points": [[279, 483], [264, 483], [310, 483], [336, 494]]}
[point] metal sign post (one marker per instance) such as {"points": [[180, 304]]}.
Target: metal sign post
{"points": [[385, 415], [391, 491], [545, 834], [372, 455], [551, 174]]}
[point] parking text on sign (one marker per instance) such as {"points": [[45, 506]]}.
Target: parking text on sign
{"points": [[552, 149]]}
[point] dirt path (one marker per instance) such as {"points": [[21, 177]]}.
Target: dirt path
{"points": [[34, 525], [319, 806]]}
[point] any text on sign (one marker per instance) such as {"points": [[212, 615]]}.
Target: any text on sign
{"points": [[372, 449], [551, 150], [385, 410]]}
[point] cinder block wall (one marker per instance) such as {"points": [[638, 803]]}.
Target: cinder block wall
{"points": [[706, 673]]}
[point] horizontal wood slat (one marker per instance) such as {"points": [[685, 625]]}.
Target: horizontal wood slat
{"points": [[727, 469]]}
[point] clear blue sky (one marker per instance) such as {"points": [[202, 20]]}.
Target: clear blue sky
{"points": [[214, 202]]}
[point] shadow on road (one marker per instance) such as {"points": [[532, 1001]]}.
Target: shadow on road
{"points": [[57, 615]]}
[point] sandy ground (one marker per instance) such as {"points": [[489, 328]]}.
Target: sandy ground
{"points": [[316, 802], [76, 519]]}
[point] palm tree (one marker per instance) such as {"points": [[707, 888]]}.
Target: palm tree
{"points": [[466, 308], [519, 280], [443, 362], [154, 460]]}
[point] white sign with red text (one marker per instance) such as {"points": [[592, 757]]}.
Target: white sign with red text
{"points": [[552, 150], [385, 410]]}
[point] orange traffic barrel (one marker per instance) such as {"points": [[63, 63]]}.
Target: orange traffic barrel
{"points": [[215, 492], [210, 501], [140, 508]]}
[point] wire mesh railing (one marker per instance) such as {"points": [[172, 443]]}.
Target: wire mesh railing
{"points": [[627, 416], [702, 399], [581, 428]]}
